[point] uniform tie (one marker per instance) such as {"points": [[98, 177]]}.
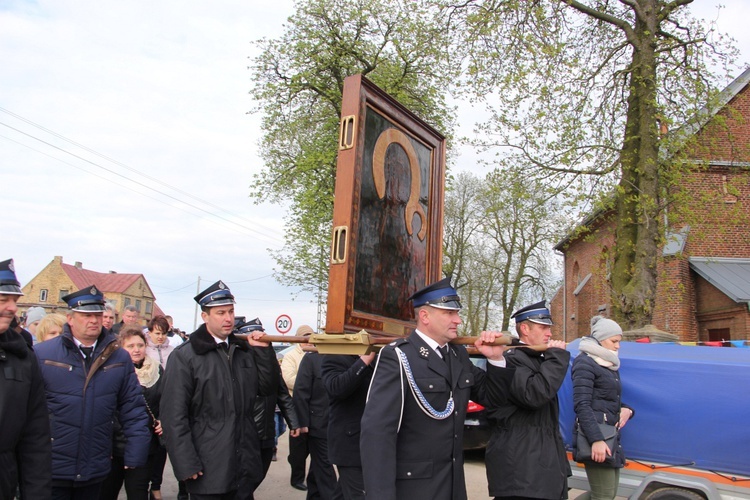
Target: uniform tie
{"points": [[444, 352], [87, 356], [224, 347]]}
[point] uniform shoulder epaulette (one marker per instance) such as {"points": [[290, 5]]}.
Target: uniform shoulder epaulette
{"points": [[398, 342]]}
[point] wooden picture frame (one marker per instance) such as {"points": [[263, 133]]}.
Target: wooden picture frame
{"points": [[388, 213]]}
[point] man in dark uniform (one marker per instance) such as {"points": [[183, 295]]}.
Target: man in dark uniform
{"points": [[526, 443], [298, 448], [311, 404], [412, 427], [265, 414], [25, 448], [209, 393], [347, 379]]}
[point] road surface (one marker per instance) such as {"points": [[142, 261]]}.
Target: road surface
{"points": [[276, 485]]}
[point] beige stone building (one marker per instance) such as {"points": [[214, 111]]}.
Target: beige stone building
{"points": [[58, 279]]}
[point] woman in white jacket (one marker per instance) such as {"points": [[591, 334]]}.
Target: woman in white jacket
{"points": [[159, 346]]}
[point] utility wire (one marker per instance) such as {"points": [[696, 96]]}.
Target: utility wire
{"points": [[139, 183], [252, 279], [227, 282], [177, 289], [249, 299], [123, 165], [159, 200]]}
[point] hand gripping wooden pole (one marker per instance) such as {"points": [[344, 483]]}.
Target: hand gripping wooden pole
{"points": [[364, 343]]}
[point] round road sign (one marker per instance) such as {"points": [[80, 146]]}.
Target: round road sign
{"points": [[283, 324]]}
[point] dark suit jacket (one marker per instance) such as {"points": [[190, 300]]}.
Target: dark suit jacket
{"points": [[207, 409], [310, 396], [265, 409], [526, 438], [423, 458], [346, 379]]}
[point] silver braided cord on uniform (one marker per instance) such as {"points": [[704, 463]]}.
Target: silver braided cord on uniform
{"points": [[401, 373], [419, 397]]}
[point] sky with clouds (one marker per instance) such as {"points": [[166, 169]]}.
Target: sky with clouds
{"points": [[126, 144]]}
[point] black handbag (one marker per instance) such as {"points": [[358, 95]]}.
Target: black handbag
{"points": [[582, 452]]}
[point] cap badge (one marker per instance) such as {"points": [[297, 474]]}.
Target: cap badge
{"points": [[222, 286], [93, 290]]}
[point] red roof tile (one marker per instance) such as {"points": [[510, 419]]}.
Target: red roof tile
{"points": [[105, 282], [157, 311]]}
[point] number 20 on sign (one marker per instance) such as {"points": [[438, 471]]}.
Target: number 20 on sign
{"points": [[283, 324]]}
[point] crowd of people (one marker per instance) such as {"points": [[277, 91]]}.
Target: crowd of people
{"points": [[89, 406]]}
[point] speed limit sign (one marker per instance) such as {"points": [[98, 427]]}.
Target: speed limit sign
{"points": [[283, 324]]}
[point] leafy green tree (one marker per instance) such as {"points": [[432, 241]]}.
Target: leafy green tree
{"points": [[464, 256], [522, 220], [298, 81], [579, 91], [460, 225], [499, 232]]}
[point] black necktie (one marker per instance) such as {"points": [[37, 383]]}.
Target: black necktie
{"points": [[224, 347], [87, 356], [444, 352]]}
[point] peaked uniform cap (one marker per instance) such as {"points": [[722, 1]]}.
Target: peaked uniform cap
{"points": [[217, 294], [536, 313], [254, 325], [87, 299], [9, 284], [439, 294]]}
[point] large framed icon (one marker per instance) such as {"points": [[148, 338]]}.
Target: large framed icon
{"points": [[388, 212]]}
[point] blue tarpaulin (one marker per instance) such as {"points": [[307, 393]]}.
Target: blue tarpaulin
{"points": [[692, 405]]}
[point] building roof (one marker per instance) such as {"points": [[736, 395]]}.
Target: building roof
{"points": [[705, 114], [157, 311], [106, 282], [693, 126], [731, 276]]}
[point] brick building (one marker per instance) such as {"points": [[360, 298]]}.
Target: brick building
{"points": [[58, 279], [703, 273]]}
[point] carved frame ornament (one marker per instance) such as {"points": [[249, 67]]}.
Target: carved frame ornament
{"points": [[388, 213]]}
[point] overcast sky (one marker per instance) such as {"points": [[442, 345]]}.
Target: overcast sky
{"points": [[120, 120]]}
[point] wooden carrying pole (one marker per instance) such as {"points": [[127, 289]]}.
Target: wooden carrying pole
{"points": [[363, 342]]}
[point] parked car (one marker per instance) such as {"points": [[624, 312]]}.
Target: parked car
{"points": [[477, 428]]}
